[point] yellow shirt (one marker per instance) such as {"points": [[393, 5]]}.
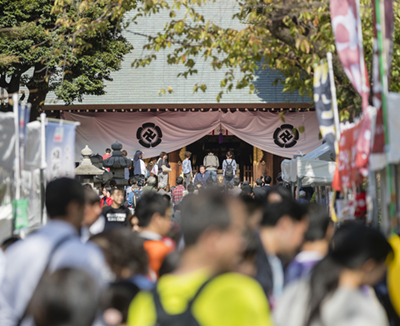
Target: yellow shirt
{"points": [[230, 299]]}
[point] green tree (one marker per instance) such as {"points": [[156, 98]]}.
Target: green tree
{"points": [[42, 50], [290, 36]]}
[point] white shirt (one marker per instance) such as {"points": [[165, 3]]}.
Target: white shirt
{"points": [[27, 259], [140, 167]]}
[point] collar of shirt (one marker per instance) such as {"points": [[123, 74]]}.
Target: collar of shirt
{"points": [[150, 235]]}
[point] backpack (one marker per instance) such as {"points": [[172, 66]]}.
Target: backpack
{"points": [[185, 318], [229, 170]]}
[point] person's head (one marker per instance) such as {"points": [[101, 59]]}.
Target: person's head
{"points": [[247, 190], [229, 186], [248, 264], [117, 195], [154, 213], [212, 226], [65, 200], [170, 263], [209, 182], [151, 181], [123, 251], [163, 155], [278, 194], [104, 191], [267, 179], [67, 297], [108, 191], [8, 242], [199, 184], [179, 181], [87, 186], [236, 182], [279, 178], [202, 169], [162, 185], [259, 182], [92, 207], [254, 210], [115, 301], [286, 222], [113, 183], [320, 225], [124, 153], [188, 154], [191, 188], [359, 255], [108, 151], [229, 155]]}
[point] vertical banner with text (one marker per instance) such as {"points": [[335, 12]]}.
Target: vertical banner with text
{"points": [[60, 149], [323, 105]]}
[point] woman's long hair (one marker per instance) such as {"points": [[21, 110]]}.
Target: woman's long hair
{"points": [[353, 245]]}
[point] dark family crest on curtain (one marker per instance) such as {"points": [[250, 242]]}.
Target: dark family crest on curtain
{"points": [[285, 137], [323, 104], [149, 135]]}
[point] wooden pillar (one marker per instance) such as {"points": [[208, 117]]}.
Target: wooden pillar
{"points": [[174, 161], [269, 165]]}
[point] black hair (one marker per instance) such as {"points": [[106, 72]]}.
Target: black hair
{"points": [[179, 180], [67, 297], [252, 205], [113, 190], [252, 245], [247, 190], [133, 181], [118, 295], [91, 197], [148, 205], [267, 179], [167, 198], [259, 182], [113, 183], [87, 186], [209, 182], [8, 242], [190, 188], [123, 249], [204, 211], [229, 186], [281, 191], [60, 193], [236, 182], [279, 178], [229, 154], [353, 246], [318, 223], [273, 212], [201, 166], [170, 263], [108, 150]]}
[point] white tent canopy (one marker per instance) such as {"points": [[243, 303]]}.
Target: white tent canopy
{"points": [[309, 171], [322, 152]]}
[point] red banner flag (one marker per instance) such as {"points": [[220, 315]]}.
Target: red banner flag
{"points": [[346, 25], [346, 174]]}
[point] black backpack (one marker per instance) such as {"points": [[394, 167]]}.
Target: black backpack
{"points": [[186, 318], [229, 170]]}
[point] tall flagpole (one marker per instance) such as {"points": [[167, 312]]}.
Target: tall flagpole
{"points": [[384, 81]]}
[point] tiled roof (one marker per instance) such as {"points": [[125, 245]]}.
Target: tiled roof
{"points": [[141, 86]]}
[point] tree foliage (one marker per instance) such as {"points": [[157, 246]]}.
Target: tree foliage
{"points": [[42, 51], [290, 36]]}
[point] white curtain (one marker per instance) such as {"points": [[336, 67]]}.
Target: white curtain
{"points": [[153, 133]]}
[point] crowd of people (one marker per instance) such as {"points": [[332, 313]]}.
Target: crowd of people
{"points": [[200, 253]]}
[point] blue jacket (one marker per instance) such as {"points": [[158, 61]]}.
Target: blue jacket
{"points": [[201, 177]]}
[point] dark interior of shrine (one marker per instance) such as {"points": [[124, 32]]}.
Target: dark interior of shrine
{"points": [[242, 151]]}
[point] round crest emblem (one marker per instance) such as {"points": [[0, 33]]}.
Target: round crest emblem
{"points": [[284, 136], [149, 135]]}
